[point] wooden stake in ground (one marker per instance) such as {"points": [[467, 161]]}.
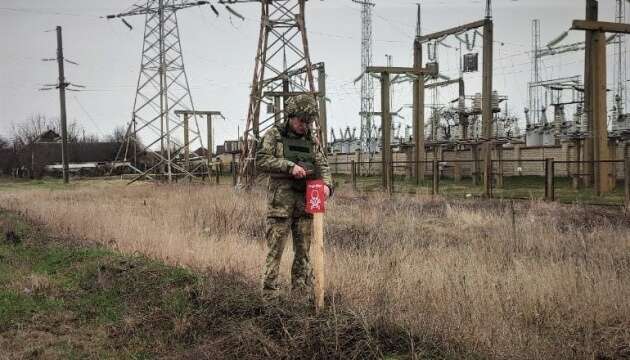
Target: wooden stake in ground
{"points": [[316, 205]]}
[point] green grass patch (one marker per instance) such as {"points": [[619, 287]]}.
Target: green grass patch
{"points": [[514, 187]]}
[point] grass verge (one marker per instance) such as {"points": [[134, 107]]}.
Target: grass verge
{"points": [[61, 299]]}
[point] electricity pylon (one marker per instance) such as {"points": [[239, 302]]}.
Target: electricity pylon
{"points": [[367, 82], [162, 88], [283, 69]]}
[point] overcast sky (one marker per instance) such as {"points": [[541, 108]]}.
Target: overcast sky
{"points": [[219, 54]]}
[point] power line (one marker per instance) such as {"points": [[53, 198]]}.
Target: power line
{"points": [[43, 12]]}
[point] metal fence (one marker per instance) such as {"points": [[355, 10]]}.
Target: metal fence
{"points": [[543, 179]]}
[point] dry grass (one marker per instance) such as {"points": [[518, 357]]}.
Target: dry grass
{"points": [[530, 280]]}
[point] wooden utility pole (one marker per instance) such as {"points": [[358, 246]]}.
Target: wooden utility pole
{"points": [[323, 117], [418, 115], [488, 36], [210, 145], [186, 143], [386, 130], [601, 152], [386, 114], [596, 145], [591, 15], [488, 30], [418, 108], [62, 104], [209, 115]]}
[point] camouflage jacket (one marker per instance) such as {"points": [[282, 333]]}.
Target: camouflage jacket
{"points": [[270, 160]]}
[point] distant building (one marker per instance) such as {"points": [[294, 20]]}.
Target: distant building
{"points": [[41, 156]]}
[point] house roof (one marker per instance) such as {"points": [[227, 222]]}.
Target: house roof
{"points": [[48, 137]]}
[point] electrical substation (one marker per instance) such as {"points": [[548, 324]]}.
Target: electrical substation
{"points": [[576, 119]]}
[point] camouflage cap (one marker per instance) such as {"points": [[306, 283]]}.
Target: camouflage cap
{"points": [[302, 106]]}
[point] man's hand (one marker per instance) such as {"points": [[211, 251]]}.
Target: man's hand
{"points": [[298, 172], [326, 191]]}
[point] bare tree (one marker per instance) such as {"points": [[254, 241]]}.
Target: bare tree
{"points": [[27, 132], [4, 143], [117, 135]]}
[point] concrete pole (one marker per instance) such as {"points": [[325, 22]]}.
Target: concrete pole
{"points": [[62, 105], [488, 36]]}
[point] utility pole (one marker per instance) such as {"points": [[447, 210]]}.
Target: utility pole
{"points": [[418, 104], [386, 126], [323, 116], [62, 103], [595, 90], [592, 10], [208, 115], [386, 114], [488, 38], [487, 26]]}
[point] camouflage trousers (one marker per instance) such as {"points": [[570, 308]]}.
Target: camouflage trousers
{"points": [[278, 229]]}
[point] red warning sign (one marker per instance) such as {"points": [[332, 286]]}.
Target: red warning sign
{"points": [[315, 197]]}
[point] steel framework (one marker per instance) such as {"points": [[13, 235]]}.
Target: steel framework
{"points": [[283, 68], [621, 66], [367, 82], [162, 87]]}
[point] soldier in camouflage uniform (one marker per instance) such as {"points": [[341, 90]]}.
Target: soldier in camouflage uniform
{"points": [[289, 154]]}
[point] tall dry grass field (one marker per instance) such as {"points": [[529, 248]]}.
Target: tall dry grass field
{"points": [[525, 280]]}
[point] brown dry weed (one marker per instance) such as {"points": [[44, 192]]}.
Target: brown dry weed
{"points": [[525, 280]]}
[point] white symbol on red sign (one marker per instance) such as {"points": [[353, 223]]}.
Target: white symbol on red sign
{"points": [[315, 200]]}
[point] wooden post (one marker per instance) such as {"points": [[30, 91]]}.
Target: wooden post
{"points": [[613, 166], [386, 128], [186, 144], [418, 115], [600, 128], [499, 151], [578, 165], [209, 117], [588, 168], [323, 118], [457, 169], [318, 260], [488, 32], [475, 164], [519, 163], [627, 181], [436, 177], [353, 175], [316, 205], [217, 172], [549, 179], [234, 170]]}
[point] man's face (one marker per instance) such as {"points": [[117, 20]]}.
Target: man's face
{"points": [[299, 125]]}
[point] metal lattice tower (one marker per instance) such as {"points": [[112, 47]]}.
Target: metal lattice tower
{"points": [[367, 82], [162, 88], [535, 92], [622, 65], [283, 68]]}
